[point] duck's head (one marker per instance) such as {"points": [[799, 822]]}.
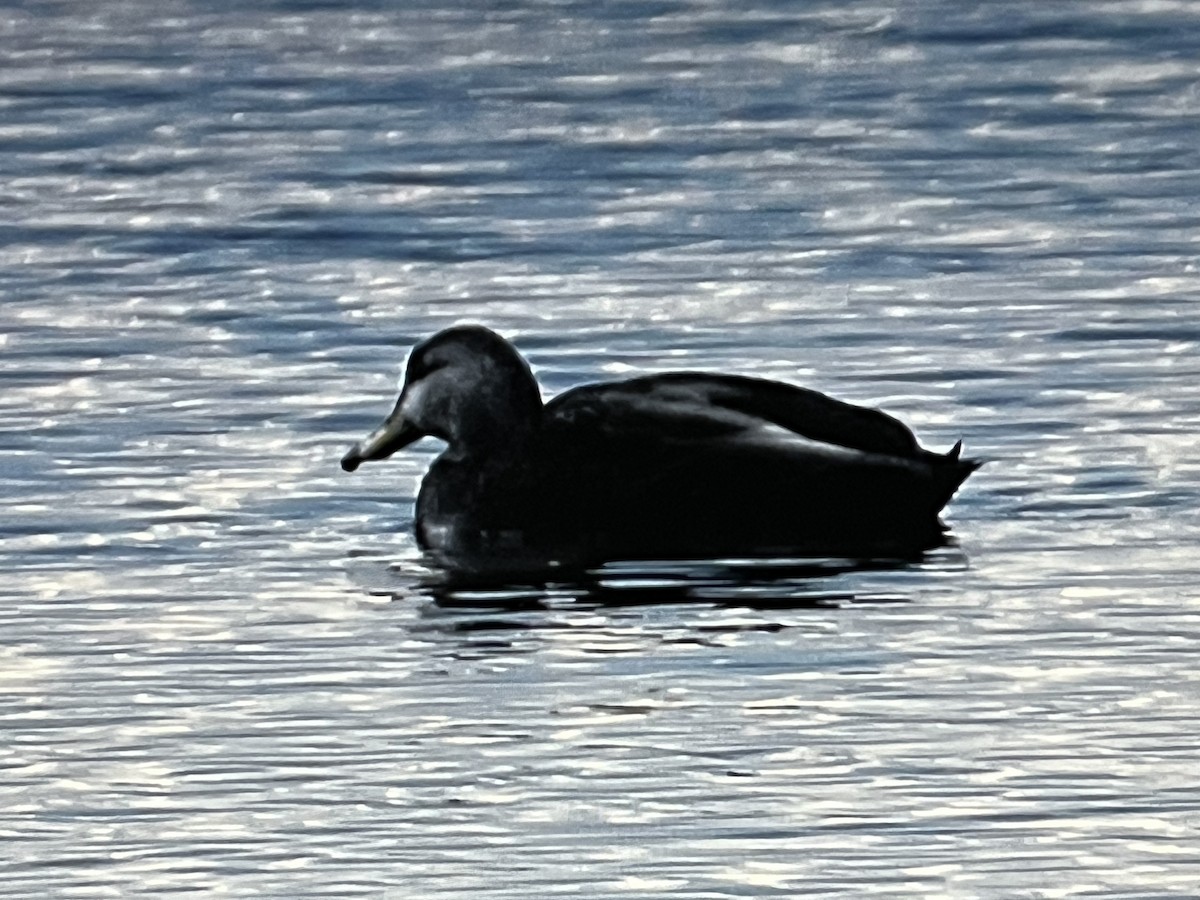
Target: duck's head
{"points": [[465, 385]]}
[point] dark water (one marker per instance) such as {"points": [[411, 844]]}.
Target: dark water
{"points": [[223, 225]]}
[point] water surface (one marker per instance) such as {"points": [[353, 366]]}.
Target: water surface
{"points": [[221, 671]]}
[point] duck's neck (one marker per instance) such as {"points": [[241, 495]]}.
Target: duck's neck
{"points": [[501, 430]]}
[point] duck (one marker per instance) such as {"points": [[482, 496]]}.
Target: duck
{"points": [[678, 465]]}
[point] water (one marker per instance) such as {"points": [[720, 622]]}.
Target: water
{"points": [[220, 672]]}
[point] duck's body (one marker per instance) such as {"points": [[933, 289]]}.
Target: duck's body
{"points": [[682, 465]]}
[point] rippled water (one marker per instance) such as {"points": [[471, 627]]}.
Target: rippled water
{"points": [[222, 670]]}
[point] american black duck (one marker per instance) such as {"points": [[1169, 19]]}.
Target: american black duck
{"points": [[680, 465]]}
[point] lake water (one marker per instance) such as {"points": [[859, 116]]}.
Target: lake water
{"points": [[221, 672]]}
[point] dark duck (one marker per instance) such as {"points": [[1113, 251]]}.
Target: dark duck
{"points": [[682, 465]]}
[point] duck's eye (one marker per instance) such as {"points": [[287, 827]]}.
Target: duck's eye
{"points": [[422, 366]]}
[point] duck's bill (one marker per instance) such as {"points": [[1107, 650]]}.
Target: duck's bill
{"points": [[394, 434]]}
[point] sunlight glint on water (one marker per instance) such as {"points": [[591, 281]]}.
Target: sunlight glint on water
{"points": [[223, 667]]}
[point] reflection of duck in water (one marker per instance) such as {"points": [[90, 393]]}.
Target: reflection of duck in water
{"points": [[680, 465]]}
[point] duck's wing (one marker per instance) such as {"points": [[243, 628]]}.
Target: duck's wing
{"points": [[691, 406], [683, 461]]}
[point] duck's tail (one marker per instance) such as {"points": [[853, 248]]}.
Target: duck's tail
{"points": [[950, 471]]}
